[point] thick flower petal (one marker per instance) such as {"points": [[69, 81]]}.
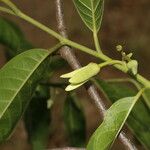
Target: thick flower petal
{"points": [[85, 73], [71, 74], [73, 86]]}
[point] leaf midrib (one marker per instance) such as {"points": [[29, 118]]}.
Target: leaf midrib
{"points": [[93, 17], [23, 85], [129, 111]]}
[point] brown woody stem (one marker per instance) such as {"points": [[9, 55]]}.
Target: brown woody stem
{"points": [[68, 54]]}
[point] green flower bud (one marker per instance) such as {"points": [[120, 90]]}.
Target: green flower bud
{"points": [[130, 55], [80, 76], [133, 66], [119, 48], [85, 73]]}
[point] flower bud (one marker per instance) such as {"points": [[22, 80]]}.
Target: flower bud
{"points": [[85, 73], [119, 48], [130, 55], [70, 74], [133, 66], [80, 76]]}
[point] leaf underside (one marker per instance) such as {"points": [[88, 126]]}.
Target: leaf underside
{"points": [[18, 80], [114, 120], [91, 12], [138, 122]]}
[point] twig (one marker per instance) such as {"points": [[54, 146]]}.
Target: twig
{"points": [[68, 54], [65, 41]]}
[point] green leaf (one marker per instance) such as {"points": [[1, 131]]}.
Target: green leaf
{"points": [[12, 37], [114, 120], [138, 122], [74, 121], [91, 12], [18, 80], [37, 118]]}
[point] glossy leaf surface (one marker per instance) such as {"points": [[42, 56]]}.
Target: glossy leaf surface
{"points": [[114, 120], [138, 122], [18, 80]]}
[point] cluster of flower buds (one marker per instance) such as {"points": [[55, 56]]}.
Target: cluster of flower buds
{"points": [[132, 65], [81, 76]]}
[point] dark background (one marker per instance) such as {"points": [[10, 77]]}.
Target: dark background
{"points": [[125, 22]]}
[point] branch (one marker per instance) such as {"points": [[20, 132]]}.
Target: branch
{"points": [[66, 41], [68, 54]]}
